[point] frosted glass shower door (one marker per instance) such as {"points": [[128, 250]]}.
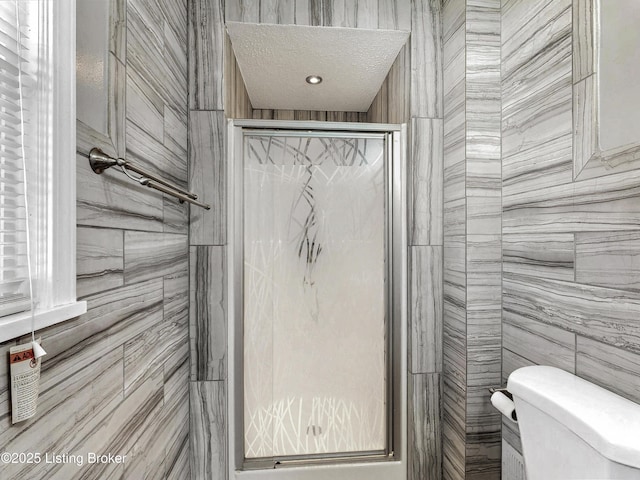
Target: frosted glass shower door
{"points": [[315, 294]]}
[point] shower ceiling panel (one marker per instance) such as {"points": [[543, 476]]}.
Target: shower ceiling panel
{"points": [[276, 59]]}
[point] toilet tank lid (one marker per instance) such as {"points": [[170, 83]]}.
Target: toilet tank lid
{"points": [[606, 421]]}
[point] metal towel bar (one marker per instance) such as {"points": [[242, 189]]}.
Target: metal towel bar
{"points": [[100, 162]]}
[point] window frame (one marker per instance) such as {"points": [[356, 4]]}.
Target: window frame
{"points": [[61, 249]]}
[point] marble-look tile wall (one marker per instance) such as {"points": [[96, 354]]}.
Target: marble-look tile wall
{"points": [[116, 380], [417, 69], [412, 94], [425, 160], [472, 238], [215, 88], [570, 288]]}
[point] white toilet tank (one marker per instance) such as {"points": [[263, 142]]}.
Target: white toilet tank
{"points": [[572, 429]]}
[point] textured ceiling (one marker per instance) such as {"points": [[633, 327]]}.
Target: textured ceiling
{"points": [[276, 59]]}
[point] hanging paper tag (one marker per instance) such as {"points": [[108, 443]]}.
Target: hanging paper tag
{"points": [[25, 382]]}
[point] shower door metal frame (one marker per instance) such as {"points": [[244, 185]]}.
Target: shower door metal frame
{"points": [[390, 464]]}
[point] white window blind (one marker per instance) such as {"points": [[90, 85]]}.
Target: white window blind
{"points": [[18, 88], [37, 125]]}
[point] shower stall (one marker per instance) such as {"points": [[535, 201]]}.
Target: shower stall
{"points": [[318, 300]]}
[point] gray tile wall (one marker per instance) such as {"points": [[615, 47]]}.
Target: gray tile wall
{"points": [[116, 380], [412, 94], [472, 237], [417, 69], [426, 162], [570, 292], [207, 172], [455, 269]]}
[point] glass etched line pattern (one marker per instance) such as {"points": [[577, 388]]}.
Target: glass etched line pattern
{"points": [[314, 295]]}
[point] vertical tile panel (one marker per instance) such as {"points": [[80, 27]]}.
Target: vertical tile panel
{"points": [[303, 12], [207, 317], [455, 317], [284, 115], [454, 231], [262, 114], [241, 10], [484, 289], [426, 309], [427, 181], [453, 437], [584, 61], [454, 188], [426, 59], [394, 15], [118, 37], [454, 358], [237, 102], [367, 14], [336, 117], [269, 11], [483, 107], [207, 177], [206, 45], [585, 140], [316, 12], [356, 116], [399, 87], [338, 13], [208, 430], [425, 454], [484, 276], [286, 12], [377, 112]]}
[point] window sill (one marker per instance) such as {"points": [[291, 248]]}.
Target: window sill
{"points": [[18, 324]]}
